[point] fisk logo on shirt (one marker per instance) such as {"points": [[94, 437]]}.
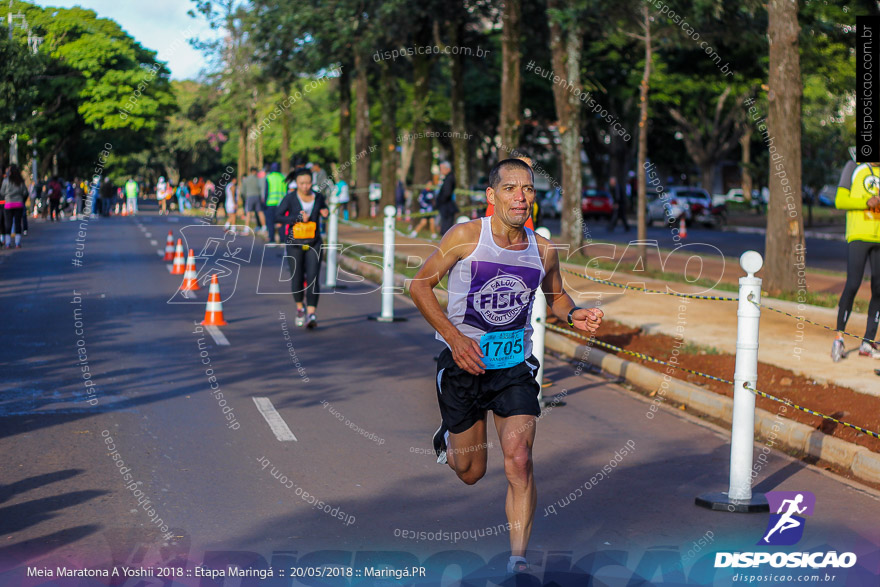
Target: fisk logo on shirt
{"points": [[500, 295]]}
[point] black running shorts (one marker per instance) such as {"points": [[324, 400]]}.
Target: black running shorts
{"points": [[464, 398]]}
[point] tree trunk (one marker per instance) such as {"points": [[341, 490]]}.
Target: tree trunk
{"points": [[284, 150], [707, 175], [389, 134], [746, 146], [422, 156], [785, 225], [509, 123], [363, 136], [459, 124], [242, 152], [345, 124], [565, 45], [641, 206]]}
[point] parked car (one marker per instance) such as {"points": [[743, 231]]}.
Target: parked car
{"points": [[596, 203], [667, 208], [702, 208], [551, 204]]}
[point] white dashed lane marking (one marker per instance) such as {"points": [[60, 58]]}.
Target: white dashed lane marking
{"points": [[273, 418]]}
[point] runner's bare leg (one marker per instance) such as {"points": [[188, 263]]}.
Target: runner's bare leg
{"points": [[517, 435], [466, 453]]}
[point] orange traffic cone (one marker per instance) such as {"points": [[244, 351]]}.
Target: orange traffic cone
{"points": [[683, 229], [169, 248], [214, 309], [178, 268], [189, 277]]}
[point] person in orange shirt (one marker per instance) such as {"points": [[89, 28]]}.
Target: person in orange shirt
{"points": [[197, 191]]}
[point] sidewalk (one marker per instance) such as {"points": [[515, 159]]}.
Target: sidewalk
{"points": [[784, 341]]}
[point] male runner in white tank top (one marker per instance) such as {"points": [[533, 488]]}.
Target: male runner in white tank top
{"points": [[495, 266]]}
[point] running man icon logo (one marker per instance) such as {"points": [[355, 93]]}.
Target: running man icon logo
{"points": [[786, 526], [872, 184]]}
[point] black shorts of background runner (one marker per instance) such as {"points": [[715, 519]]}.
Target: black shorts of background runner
{"points": [[12, 220], [464, 398], [858, 253], [305, 265]]}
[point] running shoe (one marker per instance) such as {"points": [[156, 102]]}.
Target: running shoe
{"points": [[313, 321], [300, 317], [517, 565], [837, 350], [439, 442], [869, 349]]}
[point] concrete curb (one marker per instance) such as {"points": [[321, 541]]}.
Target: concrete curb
{"points": [[780, 432], [860, 461], [809, 233]]}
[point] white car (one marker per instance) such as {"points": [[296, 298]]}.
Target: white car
{"points": [[667, 207]]}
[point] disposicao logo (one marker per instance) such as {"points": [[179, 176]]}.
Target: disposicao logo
{"points": [[785, 528]]}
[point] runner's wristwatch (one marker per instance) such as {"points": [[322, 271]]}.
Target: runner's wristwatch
{"points": [[570, 312]]}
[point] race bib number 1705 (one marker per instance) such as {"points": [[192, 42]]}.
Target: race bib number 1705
{"points": [[502, 349]]}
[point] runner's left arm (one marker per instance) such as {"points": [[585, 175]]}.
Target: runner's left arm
{"points": [[558, 300]]}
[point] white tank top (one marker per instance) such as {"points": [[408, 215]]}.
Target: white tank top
{"points": [[492, 289]]}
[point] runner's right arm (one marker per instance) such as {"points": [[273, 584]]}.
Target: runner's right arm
{"points": [[844, 199], [457, 244]]}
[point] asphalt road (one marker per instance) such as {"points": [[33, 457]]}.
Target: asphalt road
{"points": [[358, 396], [829, 255]]}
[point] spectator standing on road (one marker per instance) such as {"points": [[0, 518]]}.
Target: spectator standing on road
{"points": [[252, 192], [131, 195], [162, 194], [400, 198], [276, 189], [55, 193], [183, 196], [320, 181], [108, 192], [196, 192], [426, 206], [14, 194], [858, 192], [445, 201], [301, 211], [618, 198], [231, 204], [3, 230], [342, 194], [79, 196]]}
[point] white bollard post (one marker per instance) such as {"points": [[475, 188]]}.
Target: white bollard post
{"points": [[387, 314], [739, 496], [388, 266], [539, 330], [332, 239]]}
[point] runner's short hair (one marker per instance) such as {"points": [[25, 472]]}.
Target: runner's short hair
{"points": [[297, 172], [495, 174]]}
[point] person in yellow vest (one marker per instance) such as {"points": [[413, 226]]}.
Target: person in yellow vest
{"points": [[276, 189], [859, 194]]}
